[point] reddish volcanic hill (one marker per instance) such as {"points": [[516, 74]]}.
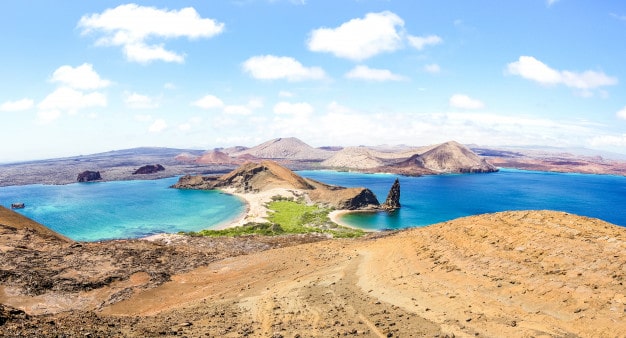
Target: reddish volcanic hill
{"points": [[215, 157], [453, 157], [286, 148]]}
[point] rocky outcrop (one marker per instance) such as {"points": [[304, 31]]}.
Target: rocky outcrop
{"points": [[257, 177], [8, 313], [18, 205], [89, 176], [149, 169], [393, 198]]}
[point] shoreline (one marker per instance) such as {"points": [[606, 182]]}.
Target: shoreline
{"points": [[335, 216]]}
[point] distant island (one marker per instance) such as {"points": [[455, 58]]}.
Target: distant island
{"points": [[293, 153], [516, 273]]}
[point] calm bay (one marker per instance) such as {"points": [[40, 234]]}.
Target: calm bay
{"points": [[133, 209]]}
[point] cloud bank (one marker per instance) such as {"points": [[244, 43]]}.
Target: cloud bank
{"points": [[134, 27]]}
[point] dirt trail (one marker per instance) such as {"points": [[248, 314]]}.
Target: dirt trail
{"points": [[514, 274]]}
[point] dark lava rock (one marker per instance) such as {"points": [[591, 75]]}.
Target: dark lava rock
{"points": [[17, 205], [364, 200], [8, 313], [149, 169], [88, 176], [393, 198]]}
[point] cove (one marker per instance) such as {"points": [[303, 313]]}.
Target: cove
{"points": [[122, 209], [432, 199]]}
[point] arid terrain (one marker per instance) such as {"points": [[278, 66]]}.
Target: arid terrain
{"points": [[509, 274], [448, 157], [524, 274]]}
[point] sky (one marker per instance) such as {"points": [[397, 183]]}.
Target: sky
{"points": [[81, 77]]}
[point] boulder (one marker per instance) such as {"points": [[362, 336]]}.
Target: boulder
{"points": [[149, 169], [17, 205], [393, 198], [88, 176]]}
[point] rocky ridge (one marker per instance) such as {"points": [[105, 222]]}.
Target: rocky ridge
{"points": [[448, 157], [254, 177]]}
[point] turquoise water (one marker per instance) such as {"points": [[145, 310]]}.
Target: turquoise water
{"points": [[132, 209], [432, 199], [125, 209]]}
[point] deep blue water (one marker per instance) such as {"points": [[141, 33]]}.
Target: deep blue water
{"points": [[432, 199], [131, 209], [125, 209]]}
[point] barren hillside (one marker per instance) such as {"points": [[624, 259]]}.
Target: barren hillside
{"points": [[286, 148], [513, 274]]}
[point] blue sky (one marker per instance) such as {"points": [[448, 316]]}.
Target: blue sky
{"points": [[92, 76]]}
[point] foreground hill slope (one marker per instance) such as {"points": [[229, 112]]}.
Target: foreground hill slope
{"points": [[22, 226], [509, 274]]}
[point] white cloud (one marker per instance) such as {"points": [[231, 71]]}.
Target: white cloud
{"points": [[237, 110], [157, 126], [432, 68], [360, 38], [138, 101], [208, 102], [132, 26], [184, 127], [295, 109], [621, 114], [169, 86], [143, 118], [419, 42], [71, 100], [532, 69], [365, 73], [465, 102], [47, 116], [270, 67], [19, 105], [284, 93], [609, 140], [142, 53], [82, 77]]}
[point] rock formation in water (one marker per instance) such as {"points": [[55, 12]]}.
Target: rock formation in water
{"points": [[149, 169], [393, 198], [18, 205], [256, 177], [89, 176]]}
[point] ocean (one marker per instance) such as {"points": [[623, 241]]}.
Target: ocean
{"points": [[132, 209], [432, 199], [124, 209]]}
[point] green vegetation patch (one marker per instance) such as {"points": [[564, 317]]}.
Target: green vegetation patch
{"points": [[288, 217]]}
